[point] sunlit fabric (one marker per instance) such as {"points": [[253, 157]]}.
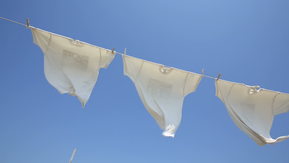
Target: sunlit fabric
{"points": [[162, 90], [71, 66], [253, 108]]}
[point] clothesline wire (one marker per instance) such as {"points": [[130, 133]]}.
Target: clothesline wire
{"points": [[13, 21], [27, 25], [203, 73]]}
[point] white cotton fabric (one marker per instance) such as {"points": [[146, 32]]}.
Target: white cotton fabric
{"points": [[161, 89], [253, 108], [71, 66]]}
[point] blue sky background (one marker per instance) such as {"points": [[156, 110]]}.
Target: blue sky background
{"points": [[245, 40]]}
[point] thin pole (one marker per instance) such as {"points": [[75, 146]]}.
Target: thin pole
{"points": [[72, 155]]}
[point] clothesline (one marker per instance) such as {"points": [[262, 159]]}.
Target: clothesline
{"points": [[13, 21], [70, 71], [115, 52]]}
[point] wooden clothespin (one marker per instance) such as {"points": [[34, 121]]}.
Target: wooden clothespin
{"points": [[27, 22], [112, 50], [219, 76]]}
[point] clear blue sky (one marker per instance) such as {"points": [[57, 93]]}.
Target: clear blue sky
{"points": [[245, 40]]}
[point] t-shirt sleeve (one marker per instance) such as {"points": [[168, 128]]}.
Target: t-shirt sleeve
{"points": [[223, 88], [106, 57], [281, 103], [41, 38], [191, 82], [132, 66]]}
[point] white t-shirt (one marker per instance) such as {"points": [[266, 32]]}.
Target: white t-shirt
{"points": [[71, 66], [253, 109], [161, 89]]}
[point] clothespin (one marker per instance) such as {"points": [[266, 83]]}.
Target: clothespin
{"points": [[219, 76], [124, 52], [203, 71], [112, 50], [27, 22]]}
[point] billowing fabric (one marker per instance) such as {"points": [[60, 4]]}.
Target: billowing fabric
{"points": [[161, 89], [253, 108], [71, 66]]}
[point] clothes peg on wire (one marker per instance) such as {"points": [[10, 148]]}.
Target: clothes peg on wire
{"points": [[203, 71], [124, 52], [219, 76], [27, 22]]}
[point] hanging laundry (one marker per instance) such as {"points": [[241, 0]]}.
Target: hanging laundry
{"points": [[253, 108], [71, 66], [161, 89]]}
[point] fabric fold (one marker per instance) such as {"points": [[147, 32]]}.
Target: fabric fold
{"points": [[253, 108], [71, 66], [162, 90]]}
